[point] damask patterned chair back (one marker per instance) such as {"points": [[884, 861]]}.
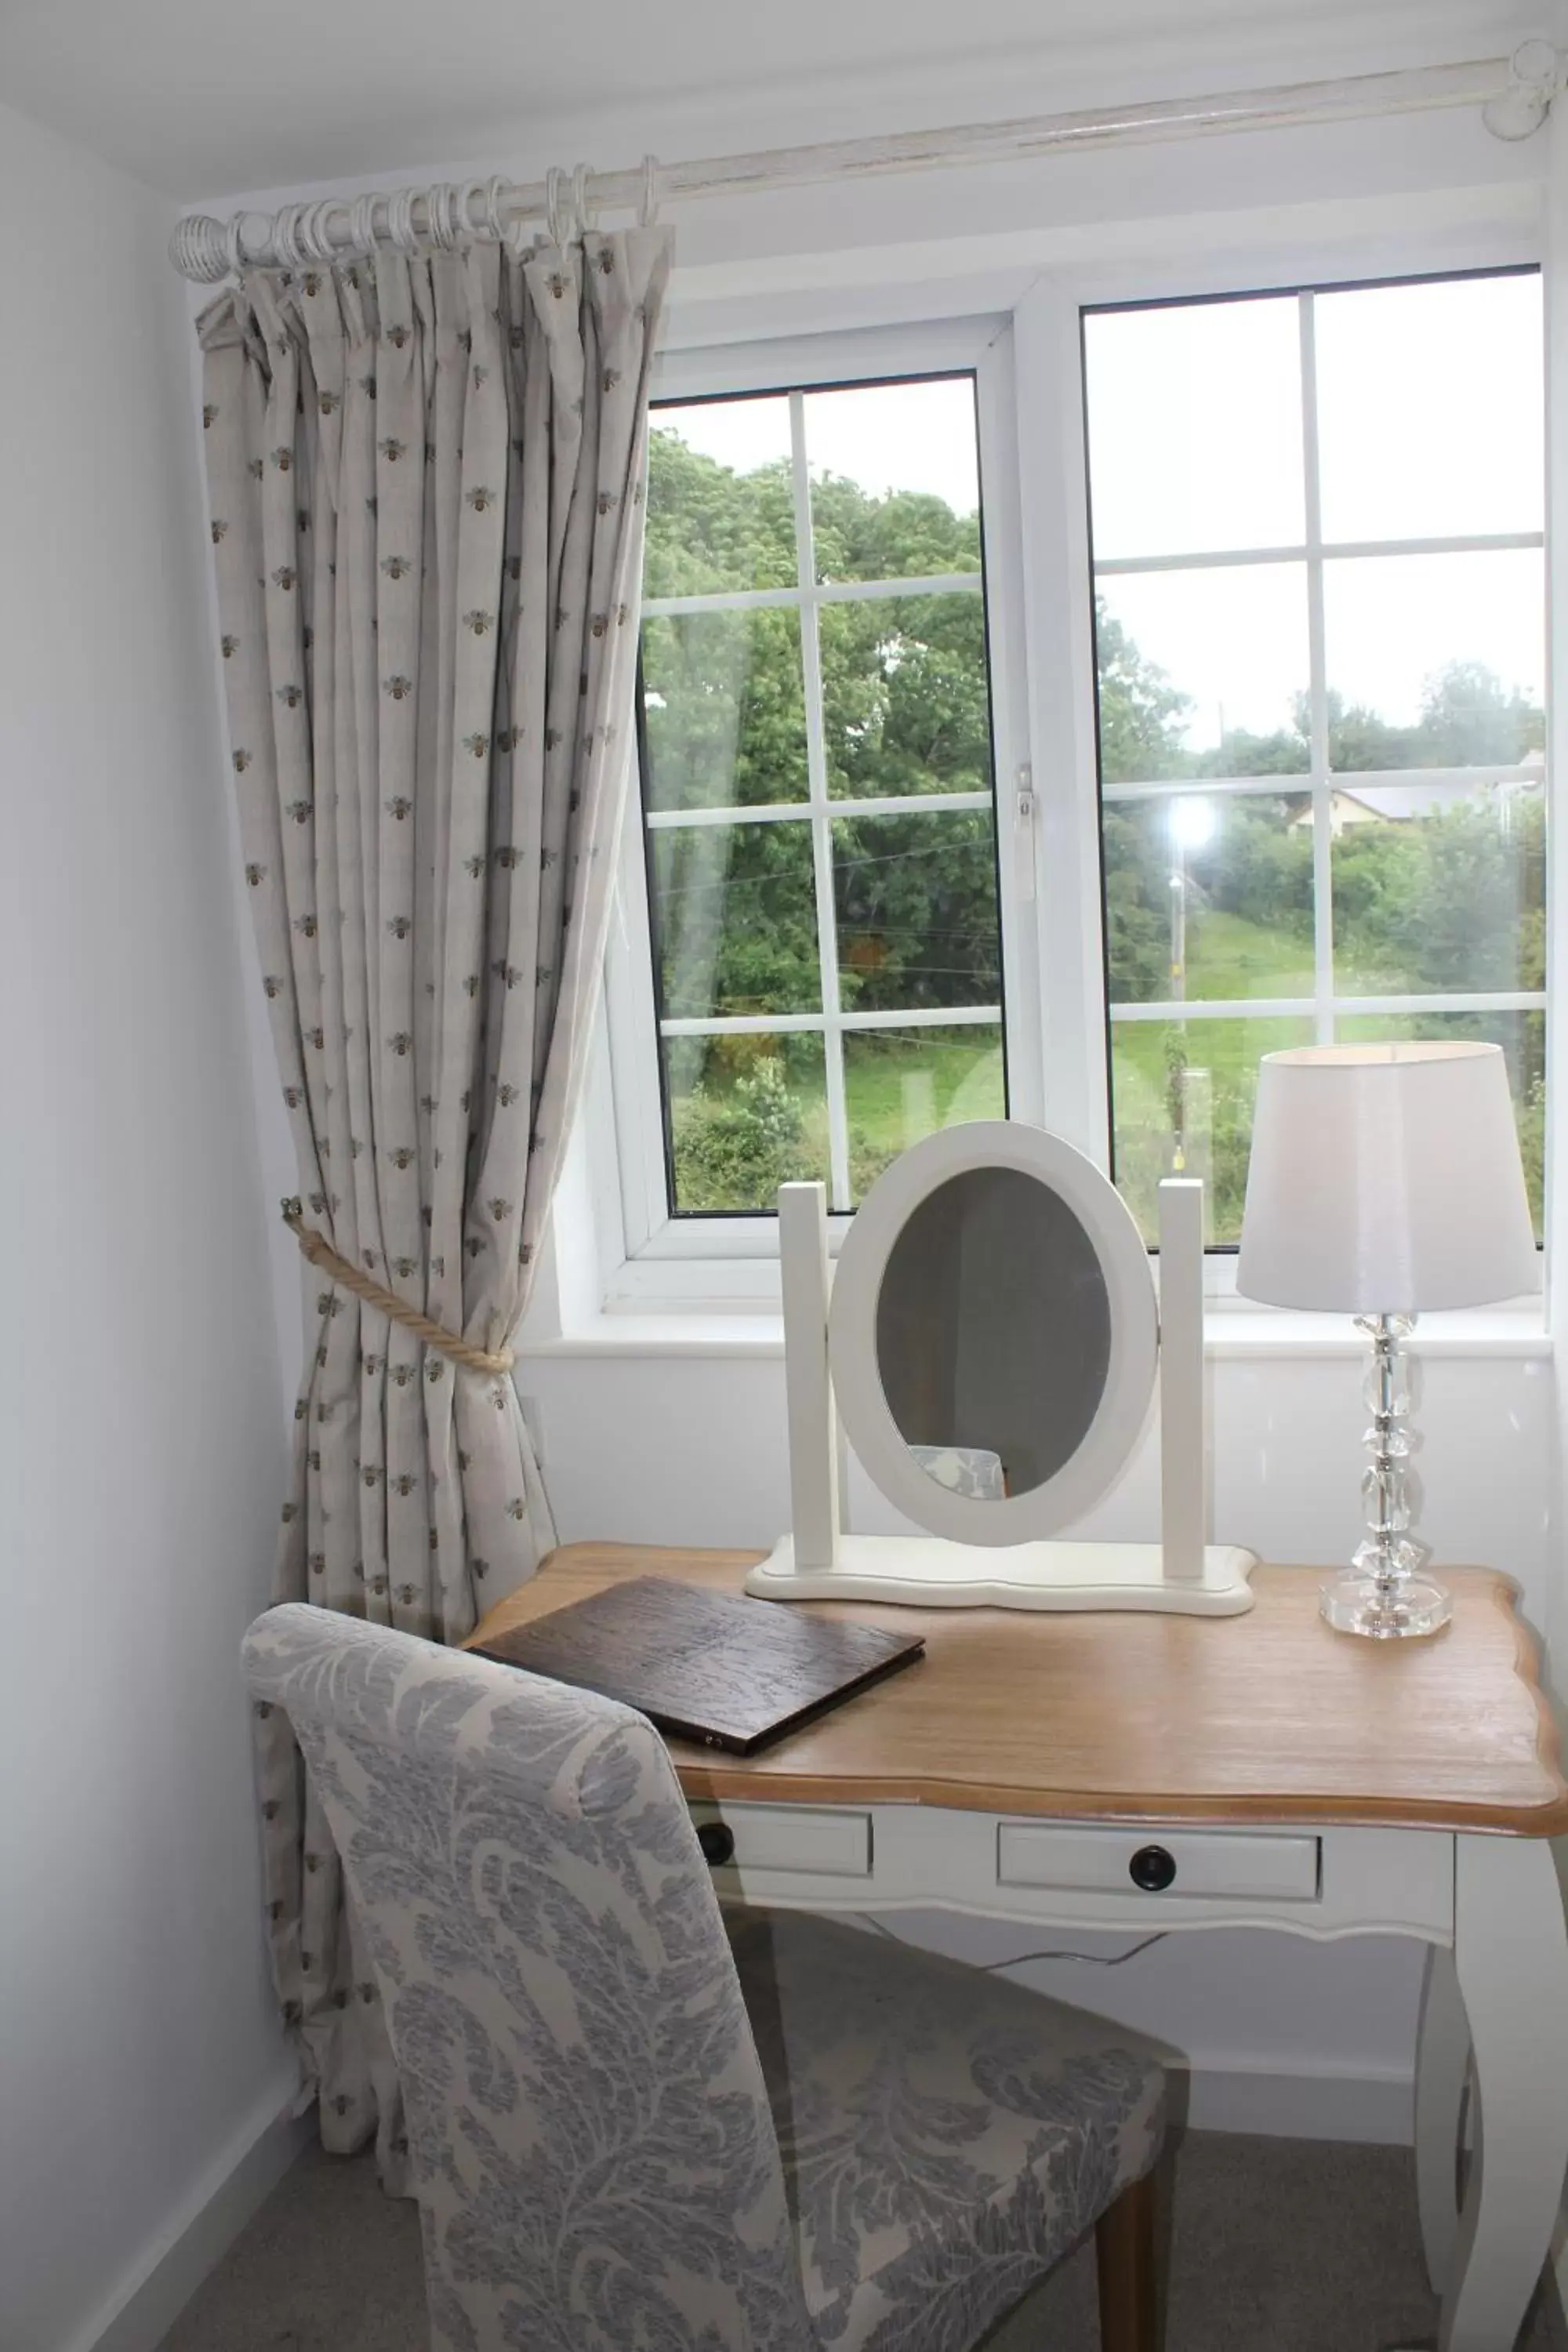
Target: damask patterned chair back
{"points": [[595, 2155]]}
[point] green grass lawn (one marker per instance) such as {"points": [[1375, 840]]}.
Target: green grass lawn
{"points": [[1227, 957], [902, 1085]]}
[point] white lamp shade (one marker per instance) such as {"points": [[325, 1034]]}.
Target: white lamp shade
{"points": [[1385, 1179]]}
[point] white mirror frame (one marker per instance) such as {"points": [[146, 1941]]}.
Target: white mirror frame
{"points": [[1102, 1454]]}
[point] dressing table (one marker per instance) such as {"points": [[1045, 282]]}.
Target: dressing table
{"points": [[1145, 1773]]}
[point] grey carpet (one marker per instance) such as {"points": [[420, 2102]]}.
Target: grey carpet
{"points": [[1275, 2246]]}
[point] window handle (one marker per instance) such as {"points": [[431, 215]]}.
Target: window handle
{"points": [[1024, 829]]}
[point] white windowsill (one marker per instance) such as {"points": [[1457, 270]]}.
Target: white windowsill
{"points": [[1234, 1330]]}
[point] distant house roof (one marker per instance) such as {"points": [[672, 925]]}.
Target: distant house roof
{"points": [[1419, 795]]}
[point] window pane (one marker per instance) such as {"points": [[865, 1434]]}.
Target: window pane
{"points": [[1203, 673], [725, 710], [735, 920], [1439, 887], [746, 1114], [1195, 427], [1182, 1093], [902, 1085], [1435, 660], [1208, 895], [1429, 408], [720, 500], [906, 701], [1428, 403], [894, 479], [916, 903], [1521, 1035]]}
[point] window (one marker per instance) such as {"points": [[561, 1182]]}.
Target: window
{"points": [[1317, 574], [816, 763], [1255, 590]]}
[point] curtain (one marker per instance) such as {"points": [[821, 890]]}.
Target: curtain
{"points": [[427, 480]]}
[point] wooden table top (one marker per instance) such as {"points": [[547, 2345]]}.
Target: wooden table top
{"points": [[1270, 1716]]}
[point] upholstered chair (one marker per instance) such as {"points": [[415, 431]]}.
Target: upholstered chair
{"points": [[638, 2123]]}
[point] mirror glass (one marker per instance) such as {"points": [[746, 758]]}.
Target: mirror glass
{"points": [[993, 1333]]}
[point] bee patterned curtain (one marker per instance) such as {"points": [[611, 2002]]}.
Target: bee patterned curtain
{"points": [[426, 474]]}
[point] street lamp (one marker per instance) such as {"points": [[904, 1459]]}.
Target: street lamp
{"points": [[1192, 822]]}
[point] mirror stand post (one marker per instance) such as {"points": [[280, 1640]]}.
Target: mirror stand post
{"points": [[1184, 1422], [808, 1382]]}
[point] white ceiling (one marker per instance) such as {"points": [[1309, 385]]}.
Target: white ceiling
{"points": [[207, 97]]}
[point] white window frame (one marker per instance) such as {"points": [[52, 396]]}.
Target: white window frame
{"points": [[1027, 364], [664, 1259]]}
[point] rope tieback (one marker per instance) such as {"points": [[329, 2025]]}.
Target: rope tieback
{"points": [[316, 1247]]}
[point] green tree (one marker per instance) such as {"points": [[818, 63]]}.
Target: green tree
{"points": [[1142, 715], [1449, 897], [1469, 718], [906, 712]]}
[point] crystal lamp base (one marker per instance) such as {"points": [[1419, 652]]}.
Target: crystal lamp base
{"points": [[1352, 1603], [1383, 1593]]}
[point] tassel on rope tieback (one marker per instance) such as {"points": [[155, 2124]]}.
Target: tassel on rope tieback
{"points": [[316, 1247]]}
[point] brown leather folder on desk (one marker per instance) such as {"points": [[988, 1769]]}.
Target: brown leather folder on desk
{"points": [[708, 1667]]}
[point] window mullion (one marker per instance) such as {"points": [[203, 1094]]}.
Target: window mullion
{"points": [[821, 815], [1318, 689]]}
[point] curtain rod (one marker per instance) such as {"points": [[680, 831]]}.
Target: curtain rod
{"points": [[1514, 93]]}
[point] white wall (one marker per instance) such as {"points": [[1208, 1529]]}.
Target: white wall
{"points": [[641, 1444], [142, 1419], [143, 1447]]}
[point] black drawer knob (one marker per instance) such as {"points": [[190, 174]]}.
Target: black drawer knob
{"points": [[1152, 1869], [717, 1840]]}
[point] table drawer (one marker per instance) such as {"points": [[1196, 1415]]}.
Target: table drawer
{"points": [[834, 1841], [1280, 1867]]}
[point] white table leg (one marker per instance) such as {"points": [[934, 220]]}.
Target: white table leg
{"points": [[1442, 2064], [1511, 1952]]}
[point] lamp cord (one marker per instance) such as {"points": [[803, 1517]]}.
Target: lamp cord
{"points": [[1023, 1960]]}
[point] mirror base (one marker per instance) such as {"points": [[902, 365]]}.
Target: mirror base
{"points": [[926, 1573]]}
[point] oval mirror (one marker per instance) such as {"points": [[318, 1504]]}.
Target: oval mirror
{"points": [[994, 1333]]}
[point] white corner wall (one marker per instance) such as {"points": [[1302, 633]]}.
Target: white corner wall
{"points": [[641, 1444], [143, 1441]]}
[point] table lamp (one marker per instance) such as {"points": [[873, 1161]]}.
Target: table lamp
{"points": [[1385, 1179]]}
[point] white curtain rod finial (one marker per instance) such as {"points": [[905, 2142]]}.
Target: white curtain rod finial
{"points": [[1535, 79], [198, 248]]}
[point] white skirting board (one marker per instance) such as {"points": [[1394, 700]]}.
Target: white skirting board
{"points": [[140, 2313], [1302, 2101], [927, 1572]]}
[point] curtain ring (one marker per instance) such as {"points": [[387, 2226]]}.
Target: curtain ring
{"points": [[361, 224], [440, 223], [492, 193], [554, 182], [286, 247], [647, 207], [400, 227], [234, 245], [314, 234], [463, 199], [587, 215]]}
